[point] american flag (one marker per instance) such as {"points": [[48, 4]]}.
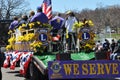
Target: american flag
{"points": [[47, 8]]}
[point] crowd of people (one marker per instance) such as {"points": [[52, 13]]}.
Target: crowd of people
{"points": [[111, 49]]}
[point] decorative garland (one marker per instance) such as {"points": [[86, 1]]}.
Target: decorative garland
{"points": [[85, 45]]}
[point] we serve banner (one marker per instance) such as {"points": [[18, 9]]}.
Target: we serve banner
{"points": [[83, 69]]}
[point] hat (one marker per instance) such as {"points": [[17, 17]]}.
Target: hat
{"points": [[39, 8], [69, 12]]}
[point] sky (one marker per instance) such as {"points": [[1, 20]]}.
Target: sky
{"points": [[78, 5]]}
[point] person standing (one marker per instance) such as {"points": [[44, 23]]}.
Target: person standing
{"points": [[14, 23], [106, 45], [24, 20], [70, 20], [39, 16], [113, 44], [98, 45], [57, 23], [32, 13]]}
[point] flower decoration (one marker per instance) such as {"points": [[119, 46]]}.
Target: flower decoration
{"points": [[10, 32], [87, 46], [37, 46], [21, 39], [29, 37], [80, 24], [31, 25], [89, 22], [9, 47], [38, 24], [11, 40], [22, 27]]}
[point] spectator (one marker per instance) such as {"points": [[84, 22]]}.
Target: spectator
{"points": [[116, 51], [117, 48], [98, 45], [14, 23], [39, 16], [113, 44], [106, 45]]}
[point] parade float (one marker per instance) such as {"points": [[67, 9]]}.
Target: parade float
{"points": [[31, 45]]}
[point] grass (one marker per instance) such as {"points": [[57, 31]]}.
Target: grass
{"points": [[113, 35]]}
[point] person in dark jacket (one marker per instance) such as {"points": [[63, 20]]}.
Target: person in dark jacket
{"points": [[106, 45], [113, 44]]}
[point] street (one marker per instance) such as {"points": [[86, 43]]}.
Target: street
{"points": [[8, 74]]}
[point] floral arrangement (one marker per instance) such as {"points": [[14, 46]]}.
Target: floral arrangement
{"points": [[80, 24], [9, 47], [37, 46], [22, 27], [29, 37], [10, 32], [21, 39], [88, 46], [11, 43], [38, 24], [11, 40]]}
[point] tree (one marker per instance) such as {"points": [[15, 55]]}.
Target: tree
{"points": [[9, 8]]}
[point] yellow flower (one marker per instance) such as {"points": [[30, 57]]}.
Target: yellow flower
{"points": [[20, 28], [90, 23], [88, 46], [9, 32], [78, 25], [81, 24], [31, 25], [38, 22], [23, 25], [8, 47], [36, 45], [29, 37], [21, 38], [11, 40], [86, 22]]}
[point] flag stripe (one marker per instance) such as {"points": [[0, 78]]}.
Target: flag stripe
{"points": [[47, 8]]}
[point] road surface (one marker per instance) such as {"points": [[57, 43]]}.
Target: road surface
{"points": [[8, 74]]}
